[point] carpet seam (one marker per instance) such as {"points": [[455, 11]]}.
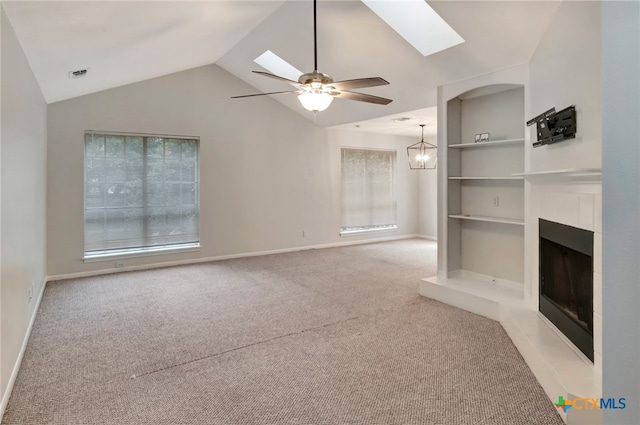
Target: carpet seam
{"points": [[221, 353]]}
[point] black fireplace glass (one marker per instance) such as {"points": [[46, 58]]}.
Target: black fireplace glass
{"points": [[567, 281]]}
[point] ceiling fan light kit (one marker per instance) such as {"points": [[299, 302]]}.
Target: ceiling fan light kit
{"points": [[422, 155], [316, 94], [316, 90], [315, 101]]}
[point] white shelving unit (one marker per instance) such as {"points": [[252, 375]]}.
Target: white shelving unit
{"points": [[488, 219], [485, 185], [481, 194]]}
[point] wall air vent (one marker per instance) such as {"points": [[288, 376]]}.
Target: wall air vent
{"points": [[74, 75]]}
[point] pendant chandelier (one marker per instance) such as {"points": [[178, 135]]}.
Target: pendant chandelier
{"points": [[422, 155]]}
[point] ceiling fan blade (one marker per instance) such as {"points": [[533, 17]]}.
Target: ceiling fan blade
{"points": [[361, 97], [266, 94], [359, 83], [277, 77]]}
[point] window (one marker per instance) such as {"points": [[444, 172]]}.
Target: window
{"points": [[368, 190], [141, 193]]}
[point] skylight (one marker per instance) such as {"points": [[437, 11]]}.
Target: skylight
{"points": [[417, 23], [278, 66]]}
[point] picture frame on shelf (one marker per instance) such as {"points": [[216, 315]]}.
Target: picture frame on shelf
{"points": [[484, 137]]}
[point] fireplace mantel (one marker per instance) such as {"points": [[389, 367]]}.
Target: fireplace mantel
{"points": [[564, 176], [577, 175]]}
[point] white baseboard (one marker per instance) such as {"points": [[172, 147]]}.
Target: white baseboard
{"points": [[427, 237], [223, 257], [16, 366]]}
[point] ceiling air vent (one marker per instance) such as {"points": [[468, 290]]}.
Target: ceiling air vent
{"points": [[74, 75]]}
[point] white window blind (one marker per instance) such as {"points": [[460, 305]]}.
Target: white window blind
{"points": [[368, 189], [140, 192]]}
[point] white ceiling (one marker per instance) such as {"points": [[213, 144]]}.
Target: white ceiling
{"points": [[402, 124], [126, 42]]}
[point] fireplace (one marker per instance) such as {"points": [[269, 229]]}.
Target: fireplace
{"points": [[566, 281]]}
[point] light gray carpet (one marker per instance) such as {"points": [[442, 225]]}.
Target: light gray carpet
{"points": [[331, 336]]}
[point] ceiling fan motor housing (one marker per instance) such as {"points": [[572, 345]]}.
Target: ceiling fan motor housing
{"points": [[315, 77]]}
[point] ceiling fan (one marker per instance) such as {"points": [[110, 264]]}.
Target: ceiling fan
{"points": [[316, 89]]}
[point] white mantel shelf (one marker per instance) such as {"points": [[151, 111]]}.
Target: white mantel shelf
{"points": [[578, 175]]}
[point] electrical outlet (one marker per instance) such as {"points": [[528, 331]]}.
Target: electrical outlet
{"points": [[119, 264], [30, 292], [496, 201]]}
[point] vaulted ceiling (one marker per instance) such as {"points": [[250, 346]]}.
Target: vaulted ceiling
{"points": [[125, 42]]}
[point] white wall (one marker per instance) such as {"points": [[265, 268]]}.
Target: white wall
{"points": [[427, 203], [267, 174], [564, 71], [23, 123], [621, 207]]}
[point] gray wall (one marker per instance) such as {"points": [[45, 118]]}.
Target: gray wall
{"points": [[621, 207], [267, 174], [564, 71], [23, 163]]}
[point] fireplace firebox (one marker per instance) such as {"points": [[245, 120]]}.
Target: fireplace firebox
{"points": [[566, 281]]}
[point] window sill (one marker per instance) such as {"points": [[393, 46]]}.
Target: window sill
{"points": [[139, 252], [355, 232]]}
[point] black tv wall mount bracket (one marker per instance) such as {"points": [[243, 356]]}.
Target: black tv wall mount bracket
{"points": [[555, 126]]}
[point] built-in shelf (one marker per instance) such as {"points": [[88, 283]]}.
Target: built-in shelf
{"points": [[518, 222], [572, 174], [483, 217], [488, 178], [488, 144]]}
